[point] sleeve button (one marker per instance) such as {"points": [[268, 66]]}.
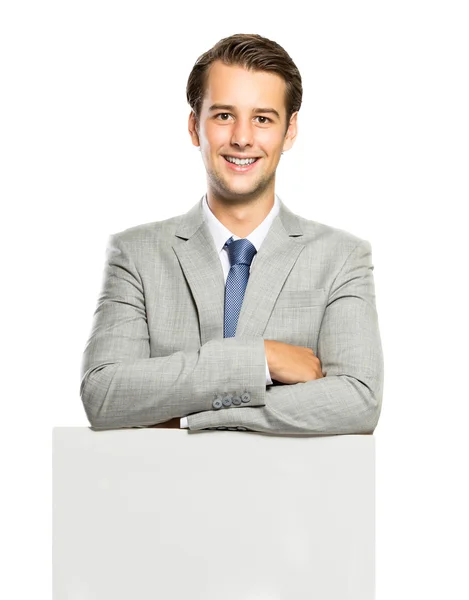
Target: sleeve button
{"points": [[227, 401], [217, 403]]}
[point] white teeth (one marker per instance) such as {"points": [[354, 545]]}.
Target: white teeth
{"points": [[240, 161]]}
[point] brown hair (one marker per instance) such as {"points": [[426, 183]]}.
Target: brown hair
{"points": [[253, 52]]}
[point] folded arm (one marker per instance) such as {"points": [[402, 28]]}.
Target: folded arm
{"points": [[122, 386], [348, 399]]}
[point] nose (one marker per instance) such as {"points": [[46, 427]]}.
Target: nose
{"points": [[242, 133]]}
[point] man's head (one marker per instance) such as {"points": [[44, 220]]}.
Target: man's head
{"points": [[245, 94]]}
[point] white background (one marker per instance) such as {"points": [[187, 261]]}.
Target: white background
{"points": [[94, 140]]}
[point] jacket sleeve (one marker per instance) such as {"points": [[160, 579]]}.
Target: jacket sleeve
{"points": [[348, 399], [122, 386]]}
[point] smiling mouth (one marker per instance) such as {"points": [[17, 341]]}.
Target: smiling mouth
{"points": [[240, 163]]}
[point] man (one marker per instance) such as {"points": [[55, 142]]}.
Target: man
{"points": [[238, 314]]}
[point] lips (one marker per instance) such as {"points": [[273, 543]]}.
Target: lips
{"points": [[241, 168]]}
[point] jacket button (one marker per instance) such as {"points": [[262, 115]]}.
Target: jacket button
{"points": [[236, 400], [246, 397], [227, 401], [217, 403]]}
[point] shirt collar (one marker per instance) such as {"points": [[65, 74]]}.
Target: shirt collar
{"points": [[221, 234]]}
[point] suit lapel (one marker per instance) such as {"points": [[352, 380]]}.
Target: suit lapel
{"points": [[274, 261], [202, 268]]}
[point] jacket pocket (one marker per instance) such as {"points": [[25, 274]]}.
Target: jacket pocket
{"points": [[301, 298]]}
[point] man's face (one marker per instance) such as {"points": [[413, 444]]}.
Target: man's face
{"points": [[243, 115]]}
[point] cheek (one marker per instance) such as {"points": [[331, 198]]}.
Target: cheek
{"points": [[275, 142], [271, 143], [215, 137]]}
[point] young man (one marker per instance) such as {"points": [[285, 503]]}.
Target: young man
{"points": [[238, 314]]}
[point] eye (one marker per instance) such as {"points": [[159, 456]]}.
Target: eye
{"points": [[222, 115], [265, 121]]}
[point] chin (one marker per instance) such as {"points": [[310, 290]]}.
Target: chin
{"points": [[241, 191], [230, 188]]}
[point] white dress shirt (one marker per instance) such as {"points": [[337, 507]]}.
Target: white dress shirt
{"points": [[220, 236]]}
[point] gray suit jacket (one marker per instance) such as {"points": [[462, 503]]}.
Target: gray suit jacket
{"points": [[156, 349]]}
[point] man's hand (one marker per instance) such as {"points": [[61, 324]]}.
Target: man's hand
{"points": [[171, 424], [291, 364]]}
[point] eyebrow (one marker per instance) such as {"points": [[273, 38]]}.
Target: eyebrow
{"points": [[255, 110]]}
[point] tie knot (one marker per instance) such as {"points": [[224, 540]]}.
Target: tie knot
{"points": [[240, 251]]}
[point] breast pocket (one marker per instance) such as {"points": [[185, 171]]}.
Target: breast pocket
{"points": [[301, 298]]}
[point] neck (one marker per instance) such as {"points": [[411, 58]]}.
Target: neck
{"points": [[241, 217]]}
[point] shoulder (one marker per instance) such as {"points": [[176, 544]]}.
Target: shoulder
{"points": [[317, 234], [148, 233]]}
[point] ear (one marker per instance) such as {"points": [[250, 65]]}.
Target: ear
{"points": [[292, 131], [193, 129]]}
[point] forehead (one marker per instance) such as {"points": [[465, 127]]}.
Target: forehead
{"points": [[244, 89]]}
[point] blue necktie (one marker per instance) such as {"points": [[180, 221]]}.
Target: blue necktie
{"points": [[241, 252]]}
